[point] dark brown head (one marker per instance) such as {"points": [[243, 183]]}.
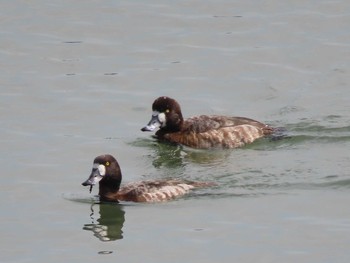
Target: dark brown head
{"points": [[106, 172], [166, 115]]}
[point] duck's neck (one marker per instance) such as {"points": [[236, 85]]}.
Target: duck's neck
{"points": [[109, 187], [174, 123]]}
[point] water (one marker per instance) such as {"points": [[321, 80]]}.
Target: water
{"points": [[78, 79]]}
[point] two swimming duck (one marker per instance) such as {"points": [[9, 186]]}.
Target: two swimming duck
{"points": [[197, 132]]}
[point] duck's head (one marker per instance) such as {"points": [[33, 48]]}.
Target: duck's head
{"points": [[166, 115], [106, 172]]}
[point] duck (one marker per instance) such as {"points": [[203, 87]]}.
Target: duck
{"points": [[106, 171], [204, 131]]}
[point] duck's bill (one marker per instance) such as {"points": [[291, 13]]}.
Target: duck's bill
{"points": [[93, 179], [153, 124]]}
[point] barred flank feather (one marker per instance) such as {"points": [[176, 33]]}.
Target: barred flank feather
{"points": [[157, 191]]}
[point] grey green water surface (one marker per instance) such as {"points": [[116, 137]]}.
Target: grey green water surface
{"points": [[78, 79]]}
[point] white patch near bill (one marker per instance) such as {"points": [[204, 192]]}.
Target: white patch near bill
{"points": [[101, 168], [162, 119]]}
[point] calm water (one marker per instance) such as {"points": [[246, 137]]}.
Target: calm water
{"points": [[78, 79]]}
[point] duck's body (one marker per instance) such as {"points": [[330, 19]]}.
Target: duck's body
{"points": [[202, 131], [216, 131], [156, 191], [106, 172]]}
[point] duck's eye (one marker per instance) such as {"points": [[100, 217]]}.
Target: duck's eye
{"points": [[167, 110], [107, 163]]}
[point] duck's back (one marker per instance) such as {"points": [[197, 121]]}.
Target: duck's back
{"points": [[218, 131], [156, 191]]}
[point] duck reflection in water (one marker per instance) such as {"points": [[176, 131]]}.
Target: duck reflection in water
{"points": [[176, 156], [108, 227]]}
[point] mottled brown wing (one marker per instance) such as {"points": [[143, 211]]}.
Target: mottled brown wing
{"points": [[219, 131], [205, 123], [224, 136], [153, 191]]}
